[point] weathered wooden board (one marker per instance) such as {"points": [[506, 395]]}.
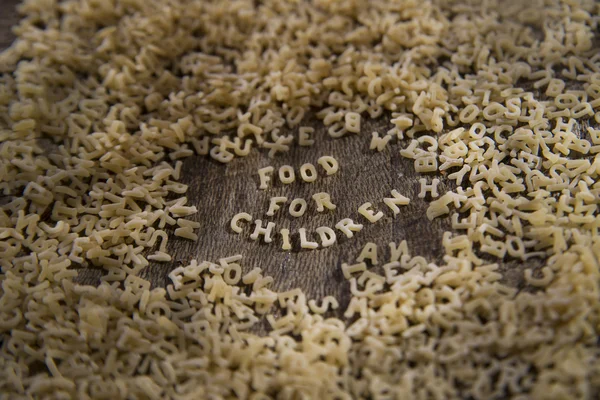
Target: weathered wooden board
{"points": [[8, 17]]}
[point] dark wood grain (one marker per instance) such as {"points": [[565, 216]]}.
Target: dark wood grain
{"points": [[220, 191], [8, 18]]}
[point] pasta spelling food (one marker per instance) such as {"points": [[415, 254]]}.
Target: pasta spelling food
{"points": [[494, 104]]}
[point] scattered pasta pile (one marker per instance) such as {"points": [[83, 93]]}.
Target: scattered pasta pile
{"points": [[100, 101]]}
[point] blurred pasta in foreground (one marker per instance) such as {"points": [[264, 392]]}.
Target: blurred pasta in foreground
{"points": [[100, 101]]}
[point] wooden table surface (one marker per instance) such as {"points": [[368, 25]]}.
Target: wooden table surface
{"points": [[220, 191]]}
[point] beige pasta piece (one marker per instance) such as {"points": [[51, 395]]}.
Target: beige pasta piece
{"points": [[280, 145], [348, 227], [328, 302], [186, 233], [426, 162], [274, 204], [304, 242], [304, 136], [285, 237], [352, 122], [264, 231], [308, 172], [430, 188], [323, 201], [370, 215], [287, 174], [160, 256], [263, 174], [184, 223], [297, 207], [396, 200], [329, 164], [369, 252], [379, 143], [348, 270], [243, 216], [327, 235]]}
